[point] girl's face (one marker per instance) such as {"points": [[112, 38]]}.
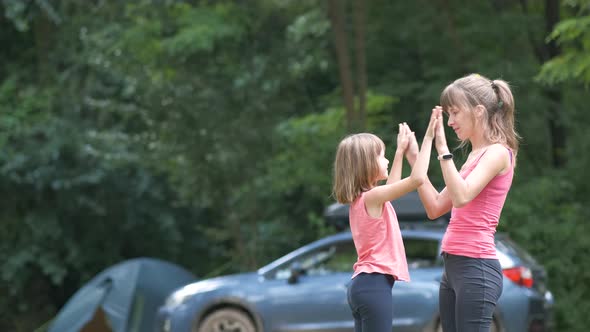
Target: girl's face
{"points": [[461, 121], [383, 165]]}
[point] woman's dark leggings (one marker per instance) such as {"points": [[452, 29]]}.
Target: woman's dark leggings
{"points": [[469, 291], [369, 297]]}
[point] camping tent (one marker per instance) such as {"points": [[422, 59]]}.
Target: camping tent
{"points": [[122, 298]]}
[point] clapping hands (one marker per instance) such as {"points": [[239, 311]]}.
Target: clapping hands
{"points": [[403, 137], [406, 142], [406, 138]]}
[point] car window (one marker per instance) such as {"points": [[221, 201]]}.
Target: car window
{"points": [[510, 248], [422, 252], [341, 256], [334, 258]]}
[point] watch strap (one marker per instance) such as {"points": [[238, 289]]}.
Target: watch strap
{"points": [[446, 156]]}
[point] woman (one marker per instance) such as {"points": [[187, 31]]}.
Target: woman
{"points": [[481, 112]]}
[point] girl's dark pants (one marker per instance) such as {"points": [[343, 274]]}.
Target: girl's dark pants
{"points": [[469, 291], [370, 299]]}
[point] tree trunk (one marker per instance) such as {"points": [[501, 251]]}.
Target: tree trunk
{"points": [[361, 71], [453, 33], [545, 52], [556, 123], [42, 29], [336, 13]]}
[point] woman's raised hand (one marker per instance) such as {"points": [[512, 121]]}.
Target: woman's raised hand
{"points": [[441, 140], [432, 125]]}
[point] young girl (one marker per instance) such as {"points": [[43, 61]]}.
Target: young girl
{"points": [[360, 163], [481, 112]]}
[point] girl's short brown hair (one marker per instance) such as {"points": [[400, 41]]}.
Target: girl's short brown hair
{"points": [[356, 167]]}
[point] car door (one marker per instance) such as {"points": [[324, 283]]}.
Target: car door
{"points": [[309, 292], [415, 303]]}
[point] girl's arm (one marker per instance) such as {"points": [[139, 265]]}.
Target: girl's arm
{"points": [[375, 197], [395, 174], [435, 204]]}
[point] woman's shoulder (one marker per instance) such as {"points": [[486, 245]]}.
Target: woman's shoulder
{"points": [[498, 150], [499, 155], [499, 146]]}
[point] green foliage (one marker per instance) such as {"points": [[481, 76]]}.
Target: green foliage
{"points": [[306, 147], [552, 207], [76, 200], [213, 25], [299, 174], [573, 35], [307, 32], [206, 129], [15, 11]]}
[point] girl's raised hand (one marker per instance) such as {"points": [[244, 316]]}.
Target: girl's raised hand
{"points": [[402, 137], [413, 149]]}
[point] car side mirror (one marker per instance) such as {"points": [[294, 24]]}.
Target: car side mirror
{"points": [[296, 271]]}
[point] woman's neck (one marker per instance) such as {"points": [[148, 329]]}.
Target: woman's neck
{"points": [[478, 143]]}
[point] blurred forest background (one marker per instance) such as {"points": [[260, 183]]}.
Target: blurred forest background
{"points": [[203, 132]]}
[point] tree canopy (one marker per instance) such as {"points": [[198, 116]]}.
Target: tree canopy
{"points": [[203, 132]]}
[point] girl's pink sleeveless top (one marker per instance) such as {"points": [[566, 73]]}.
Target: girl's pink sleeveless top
{"points": [[378, 241], [471, 229]]}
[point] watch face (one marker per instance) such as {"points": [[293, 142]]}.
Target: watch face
{"points": [[447, 156]]}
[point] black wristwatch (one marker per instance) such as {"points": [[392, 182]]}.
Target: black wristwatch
{"points": [[446, 156]]}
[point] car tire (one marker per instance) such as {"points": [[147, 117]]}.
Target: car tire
{"points": [[223, 320], [493, 327]]}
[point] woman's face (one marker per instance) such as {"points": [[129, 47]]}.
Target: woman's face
{"points": [[461, 121]]}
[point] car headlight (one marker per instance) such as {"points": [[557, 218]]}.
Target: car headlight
{"points": [[187, 292], [177, 298], [549, 299]]}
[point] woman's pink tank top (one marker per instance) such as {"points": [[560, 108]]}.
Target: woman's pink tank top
{"points": [[378, 241], [471, 229]]}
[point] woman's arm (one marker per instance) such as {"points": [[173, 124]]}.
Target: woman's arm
{"points": [[462, 191], [435, 204], [375, 197]]}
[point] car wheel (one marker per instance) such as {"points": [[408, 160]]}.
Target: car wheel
{"points": [[227, 320], [493, 327]]}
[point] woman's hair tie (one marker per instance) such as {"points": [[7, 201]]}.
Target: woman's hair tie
{"points": [[497, 92]]}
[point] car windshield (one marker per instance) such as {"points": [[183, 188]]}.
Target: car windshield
{"points": [[333, 258]]}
